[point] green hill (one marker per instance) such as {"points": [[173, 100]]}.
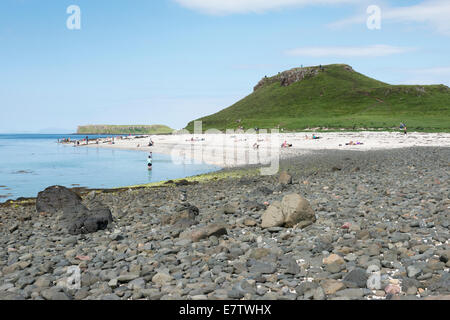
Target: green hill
{"points": [[333, 97], [130, 129]]}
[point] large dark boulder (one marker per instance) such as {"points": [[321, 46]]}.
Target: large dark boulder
{"points": [[80, 220], [56, 198], [73, 215]]}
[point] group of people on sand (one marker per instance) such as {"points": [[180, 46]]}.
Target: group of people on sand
{"points": [[195, 139]]}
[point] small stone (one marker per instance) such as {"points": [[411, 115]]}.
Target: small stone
{"points": [[259, 253], [13, 228], [273, 216], [250, 222], [162, 278], [285, 178], [127, 277], [113, 283], [351, 293], [333, 258], [264, 268], [235, 294], [42, 282], [411, 291], [392, 289], [358, 277], [331, 286], [230, 208], [318, 294], [373, 250], [413, 271], [206, 232]]}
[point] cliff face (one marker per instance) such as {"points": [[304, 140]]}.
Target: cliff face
{"points": [[286, 78]]}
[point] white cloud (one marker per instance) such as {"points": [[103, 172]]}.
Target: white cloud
{"points": [[432, 71], [435, 13], [222, 7], [434, 75], [379, 50]]}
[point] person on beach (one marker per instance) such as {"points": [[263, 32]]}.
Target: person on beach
{"points": [[403, 126], [351, 143]]}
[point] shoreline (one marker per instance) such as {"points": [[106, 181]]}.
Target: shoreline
{"points": [[204, 150], [233, 150]]}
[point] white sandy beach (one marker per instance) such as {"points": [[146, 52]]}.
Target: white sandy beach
{"points": [[229, 150]]}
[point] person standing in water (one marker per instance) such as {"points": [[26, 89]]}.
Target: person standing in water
{"points": [[150, 161]]}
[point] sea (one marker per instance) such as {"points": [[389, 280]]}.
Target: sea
{"points": [[29, 163]]}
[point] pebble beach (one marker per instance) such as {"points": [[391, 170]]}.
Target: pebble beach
{"points": [[377, 227]]}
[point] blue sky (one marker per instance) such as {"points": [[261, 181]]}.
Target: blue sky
{"points": [[171, 61]]}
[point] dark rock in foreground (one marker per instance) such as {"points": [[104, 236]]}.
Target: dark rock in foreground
{"points": [[56, 198], [74, 216], [80, 220]]}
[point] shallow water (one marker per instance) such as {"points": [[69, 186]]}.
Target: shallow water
{"points": [[30, 163]]}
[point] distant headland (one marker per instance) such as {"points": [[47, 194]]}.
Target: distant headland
{"points": [[124, 129]]}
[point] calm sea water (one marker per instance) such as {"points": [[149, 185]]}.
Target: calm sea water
{"points": [[30, 163]]}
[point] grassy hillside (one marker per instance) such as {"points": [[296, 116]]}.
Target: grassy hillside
{"points": [[133, 129], [335, 96]]}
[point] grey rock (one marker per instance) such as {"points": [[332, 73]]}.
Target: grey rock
{"points": [[351, 293], [357, 277], [262, 267], [413, 271]]}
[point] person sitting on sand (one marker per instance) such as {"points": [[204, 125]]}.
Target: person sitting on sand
{"points": [[256, 146], [286, 145], [351, 143]]}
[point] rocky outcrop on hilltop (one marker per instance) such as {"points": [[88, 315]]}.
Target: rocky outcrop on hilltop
{"points": [[286, 78]]}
